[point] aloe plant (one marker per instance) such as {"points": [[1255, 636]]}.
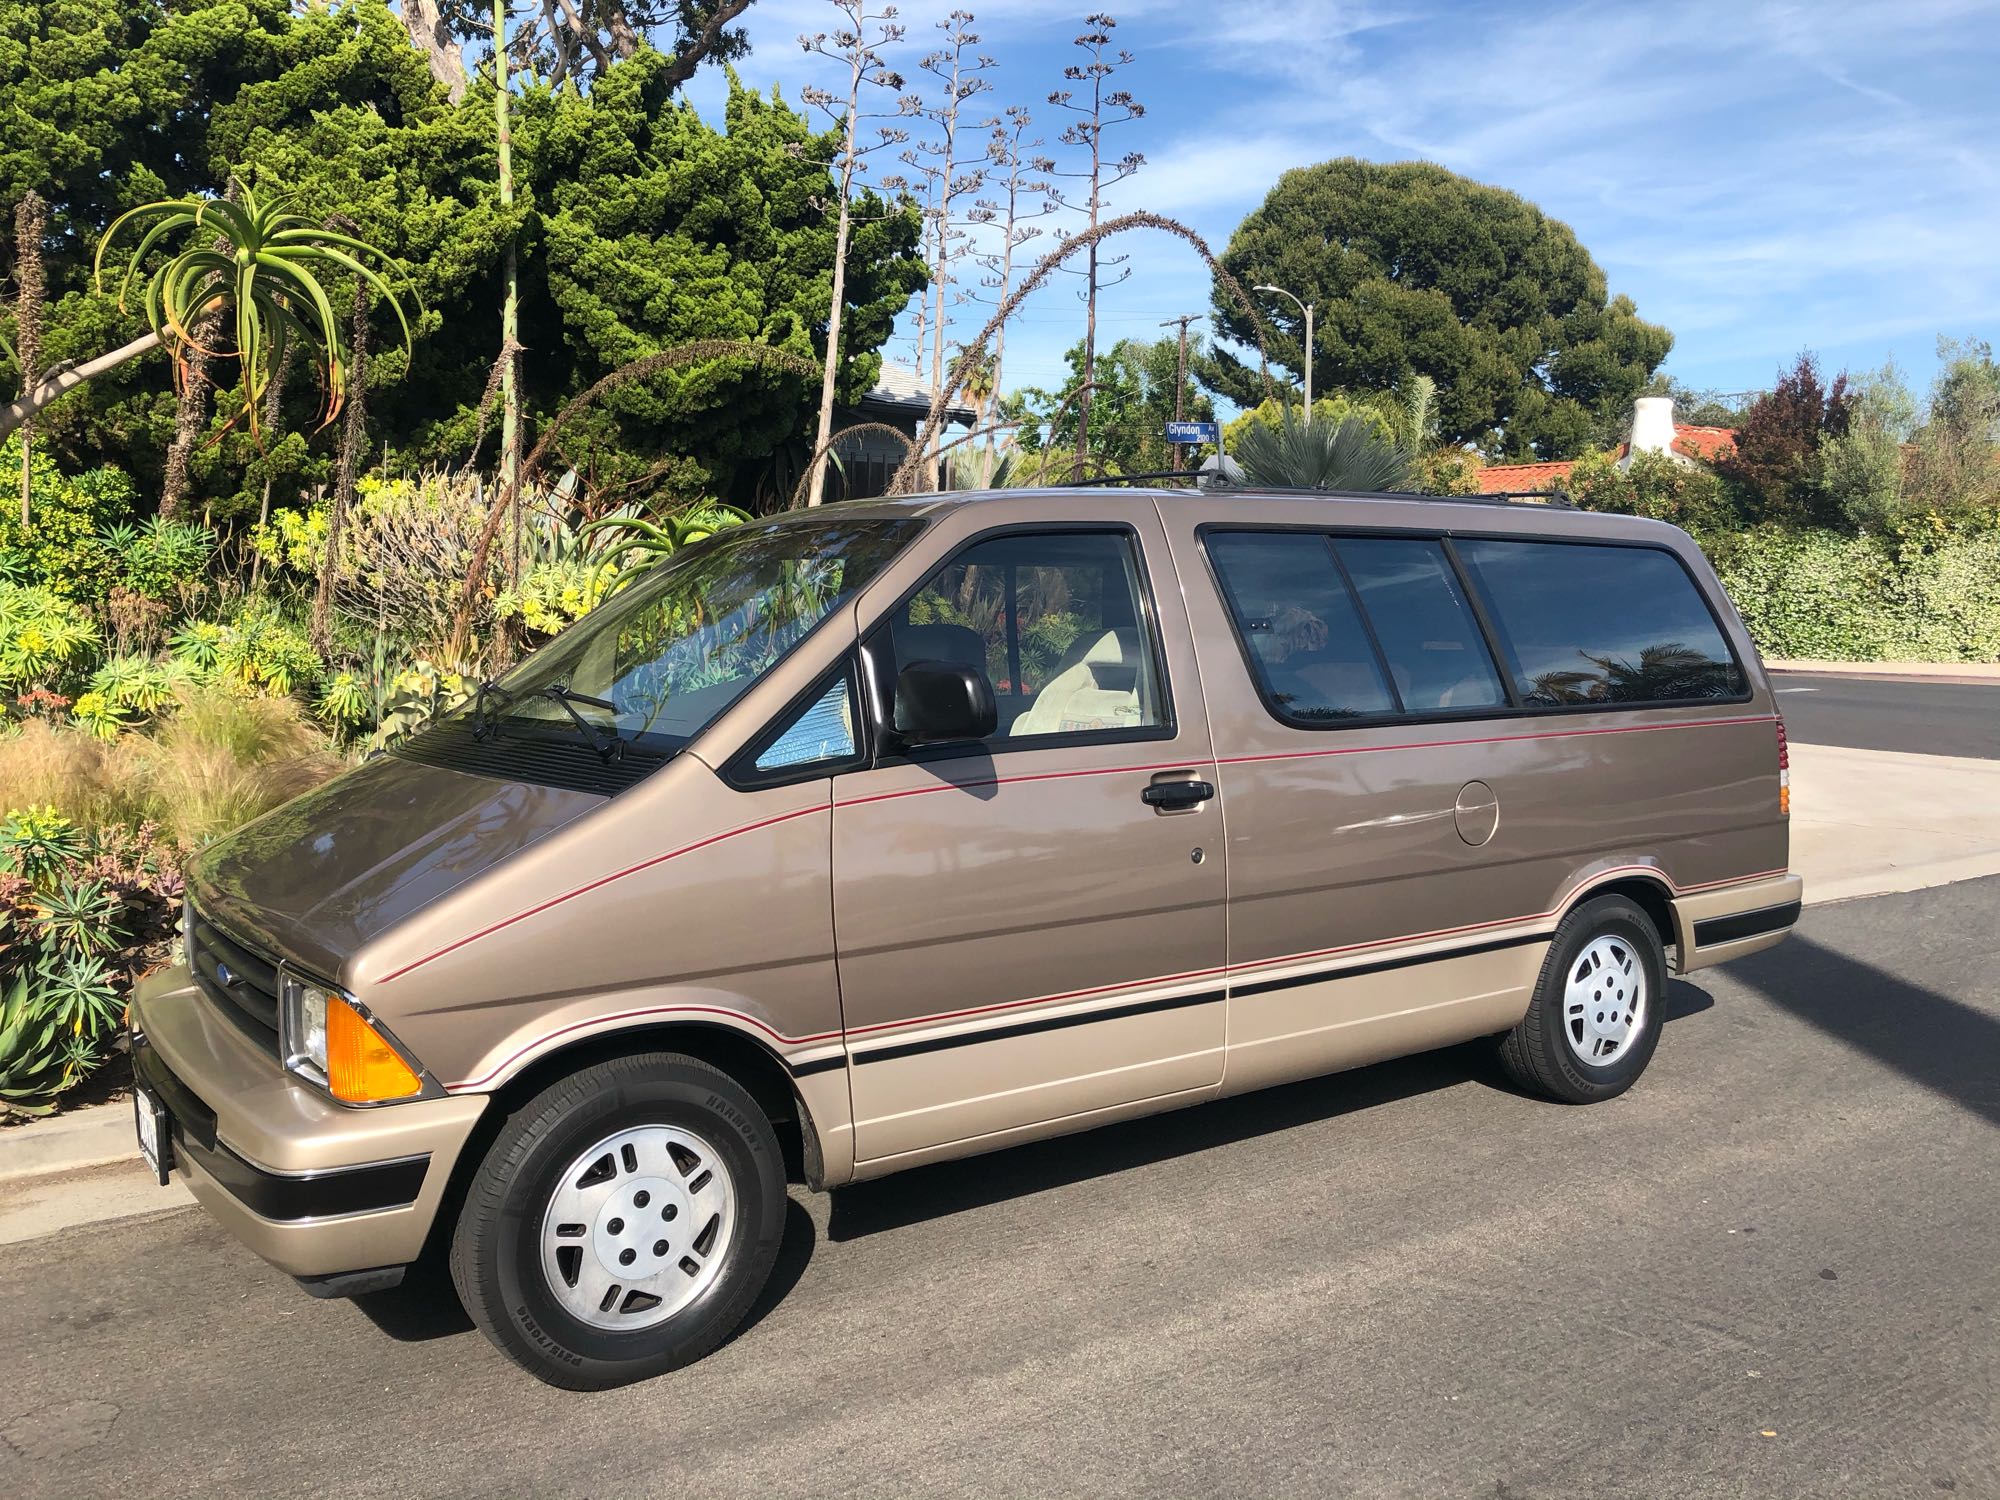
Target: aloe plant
{"points": [[35, 1060], [253, 258]]}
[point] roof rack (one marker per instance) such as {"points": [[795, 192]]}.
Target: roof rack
{"points": [[1547, 499]]}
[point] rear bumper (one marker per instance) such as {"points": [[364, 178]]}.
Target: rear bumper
{"points": [[315, 1188], [1716, 926]]}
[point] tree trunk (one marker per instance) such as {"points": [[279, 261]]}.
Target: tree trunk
{"points": [[190, 411], [353, 438], [816, 491], [31, 227], [434, 39], [66, 380], [510, 306]]}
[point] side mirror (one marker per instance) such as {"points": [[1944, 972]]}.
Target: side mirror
{"points": [[941, 701]]}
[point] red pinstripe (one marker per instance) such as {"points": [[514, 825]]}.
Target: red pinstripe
{"points": [[1600, 878], [645, 864], [947, 786]]}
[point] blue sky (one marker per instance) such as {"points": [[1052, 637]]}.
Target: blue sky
{"points": [[1760, 177]]}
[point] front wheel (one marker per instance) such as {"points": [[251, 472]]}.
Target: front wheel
{"points": [[1598, 1007], [622, 1222]]}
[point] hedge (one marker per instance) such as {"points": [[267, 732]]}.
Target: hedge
{"points": [[1826, 595]]}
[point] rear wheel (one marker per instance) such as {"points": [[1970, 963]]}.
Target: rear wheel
{"points": [[1597, 1011], [622, 1222]]}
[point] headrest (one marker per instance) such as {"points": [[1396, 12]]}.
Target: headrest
{"points": [[938, 642]]}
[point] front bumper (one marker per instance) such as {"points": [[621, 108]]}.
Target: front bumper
{"points": [[314, 1187]]}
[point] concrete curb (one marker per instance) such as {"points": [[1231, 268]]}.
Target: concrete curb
{"points": [[93, 1136], [1935, 671]]}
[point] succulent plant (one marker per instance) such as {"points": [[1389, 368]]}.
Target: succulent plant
{"points": [[35, 1057]]}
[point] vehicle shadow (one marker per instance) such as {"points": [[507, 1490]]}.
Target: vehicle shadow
{"points": [[936, 1192], [1936, 1042]]}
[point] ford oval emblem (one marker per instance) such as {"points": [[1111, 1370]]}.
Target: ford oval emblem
{"points": [[226, 974]]}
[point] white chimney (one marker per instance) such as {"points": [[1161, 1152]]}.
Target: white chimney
{"points": [[1653, 424]]}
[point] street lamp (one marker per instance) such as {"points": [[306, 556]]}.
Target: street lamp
{"points": [[1306, 308]]}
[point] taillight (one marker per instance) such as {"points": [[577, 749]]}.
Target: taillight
{"points": [[1784, 770]]}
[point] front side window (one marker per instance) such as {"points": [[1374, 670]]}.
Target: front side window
{"points": [[1587, 624], [1054, 620], [641, 675], [1300, 630]]}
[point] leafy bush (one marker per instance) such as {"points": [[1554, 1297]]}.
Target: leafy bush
{"points": [[37, 844], [165, 561], [261, 651], [1841, 598], [62, 547], [1654, 484], [1350, 454], [44, 637]]}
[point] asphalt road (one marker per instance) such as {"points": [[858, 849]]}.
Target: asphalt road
{"points": [[1918, 715], [1770, 1270]]}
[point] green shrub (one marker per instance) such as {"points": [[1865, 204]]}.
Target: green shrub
{"points": [[38, 844], [44, 638], [62, 547], [165, 561], [1822, 594], [1688, 495]]}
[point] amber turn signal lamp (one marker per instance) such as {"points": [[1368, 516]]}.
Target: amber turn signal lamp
{"points": [[361, 1067]]}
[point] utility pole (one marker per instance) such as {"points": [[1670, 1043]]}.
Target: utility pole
{"points": [[1180, 369]]}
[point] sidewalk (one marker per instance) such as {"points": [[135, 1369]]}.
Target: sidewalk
{"points": [[1868, 822], [1937, 671]]}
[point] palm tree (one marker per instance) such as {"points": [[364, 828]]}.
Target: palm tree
{"points": [[1346, 455], [252, 258]]}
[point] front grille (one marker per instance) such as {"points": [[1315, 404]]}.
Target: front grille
{"points": [[237, 982]]}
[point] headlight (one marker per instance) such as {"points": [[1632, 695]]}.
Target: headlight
{"points": [[330, 1041]]}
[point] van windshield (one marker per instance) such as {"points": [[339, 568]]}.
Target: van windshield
{"points": [[642, 674]]}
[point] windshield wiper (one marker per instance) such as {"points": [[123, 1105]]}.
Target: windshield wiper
{"points": [[482, 723], [608, 743]]}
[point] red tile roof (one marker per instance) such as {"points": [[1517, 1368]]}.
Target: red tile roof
{"points": [[1705, 443], [1709, 443], [1500, 479]]}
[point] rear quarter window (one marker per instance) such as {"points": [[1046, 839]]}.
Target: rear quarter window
{"points": [[1582, 623]]}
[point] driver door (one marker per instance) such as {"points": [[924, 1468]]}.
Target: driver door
{"points": [[1030, 928]]}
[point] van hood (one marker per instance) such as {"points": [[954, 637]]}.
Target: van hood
{"points": [[315, 879]]}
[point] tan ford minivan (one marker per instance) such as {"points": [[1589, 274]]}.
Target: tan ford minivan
{"points": [[893, 832]]}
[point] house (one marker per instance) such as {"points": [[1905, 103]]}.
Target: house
{"points": [[1654, 430], [900, 398]]}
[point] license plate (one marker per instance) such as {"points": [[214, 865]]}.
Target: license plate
{"points": [[155, 1140]]}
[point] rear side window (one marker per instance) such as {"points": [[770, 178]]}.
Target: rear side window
{"points": [[1426, 630], [1307, 646], [1594, 624]]}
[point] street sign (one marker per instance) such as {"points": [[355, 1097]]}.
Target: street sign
{"points": [[1194, 432]]}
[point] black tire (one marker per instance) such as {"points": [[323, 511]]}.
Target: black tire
{"points": [[1538, 1053], [496, 1252]]}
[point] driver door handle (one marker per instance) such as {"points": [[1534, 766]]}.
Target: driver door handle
{"points": [[1177, 796]]}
